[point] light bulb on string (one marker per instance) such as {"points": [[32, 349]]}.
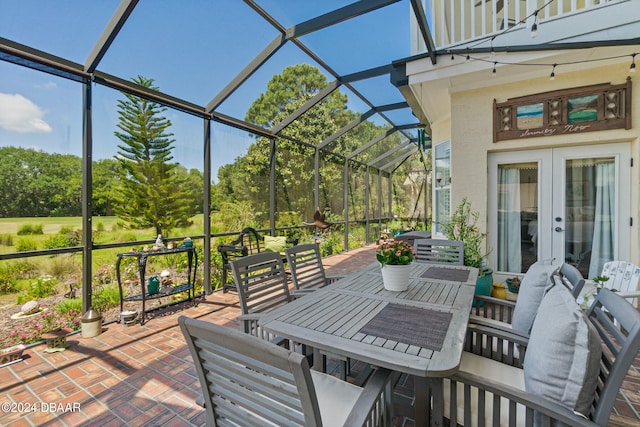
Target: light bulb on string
{"points": [[632, 67], [492, 53], [534, 27], [493, 73], [468, 57], [552, 76]]}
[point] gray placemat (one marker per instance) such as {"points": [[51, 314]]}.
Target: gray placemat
{"points": [[410, 325], [443, 273]]}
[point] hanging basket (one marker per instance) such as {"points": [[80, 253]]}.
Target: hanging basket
{"points": [[396, 277]]}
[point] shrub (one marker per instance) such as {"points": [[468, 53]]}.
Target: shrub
{"points": [[26, 244], [105, 297], [8, 284], [65, 238], [65, 229], [27, 229], [104, 274], [61, 265], [56, 241], [43, 286], [100, 226], [70, 305], [6, 239]]}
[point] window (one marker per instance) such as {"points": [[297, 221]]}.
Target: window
{"points": [[442, 186]]}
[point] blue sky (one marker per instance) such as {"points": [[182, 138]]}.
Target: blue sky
{"points": [[192, 49]]}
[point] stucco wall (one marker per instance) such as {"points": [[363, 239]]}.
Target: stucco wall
{"points": [[471, 134]]}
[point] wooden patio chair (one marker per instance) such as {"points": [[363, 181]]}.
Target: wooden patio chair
{"points": [[247, 243], [516, 319], [533, 285], [307, 274], [307, 271], [588, 355], [624, 277], [261, 283], [439, 251], [247, 382]]}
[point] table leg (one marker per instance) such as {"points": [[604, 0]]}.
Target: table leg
{"points": [[421, 403], [437, 400]]}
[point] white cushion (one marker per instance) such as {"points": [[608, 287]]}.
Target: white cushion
{"points": [[488, 368], [533, 287], [336, 398], [563, 355]]}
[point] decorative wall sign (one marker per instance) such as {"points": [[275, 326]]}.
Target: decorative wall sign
{"points": [[584, 109]]}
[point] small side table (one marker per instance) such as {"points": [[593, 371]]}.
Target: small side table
{"points": [[144, 295]]}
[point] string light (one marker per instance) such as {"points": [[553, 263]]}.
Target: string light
{"points": [[452, 57], [534, 27], [632, 67], [492, 54]]}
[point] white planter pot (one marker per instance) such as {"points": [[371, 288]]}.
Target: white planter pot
{"points": [[396, 277]]}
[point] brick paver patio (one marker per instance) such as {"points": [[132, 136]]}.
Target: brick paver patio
{"points": [[143, 375]]}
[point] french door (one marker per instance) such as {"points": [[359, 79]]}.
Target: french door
{"points": [[569, 204]]}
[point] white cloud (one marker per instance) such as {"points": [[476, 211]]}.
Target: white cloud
{"points": [[46, 85], [19, 114]]}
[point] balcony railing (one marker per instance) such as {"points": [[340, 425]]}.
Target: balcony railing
{"points": [[456, 22]]}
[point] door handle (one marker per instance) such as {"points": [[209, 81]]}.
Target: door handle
{"points": [[559, 229]]}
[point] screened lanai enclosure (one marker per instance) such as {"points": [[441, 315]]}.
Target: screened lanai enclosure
{"points": [[123, 120]]}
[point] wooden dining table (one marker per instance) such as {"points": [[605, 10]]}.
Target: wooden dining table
{"points": [[419, 331]]}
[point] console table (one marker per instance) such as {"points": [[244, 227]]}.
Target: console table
{"points": [[144, 295]]}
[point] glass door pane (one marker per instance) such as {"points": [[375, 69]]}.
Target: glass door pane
{"points": [[590, 214], [517, 228]]}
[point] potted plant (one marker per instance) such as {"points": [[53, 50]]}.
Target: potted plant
{"points": [[600, 282], [462, 226], [394, 257]]}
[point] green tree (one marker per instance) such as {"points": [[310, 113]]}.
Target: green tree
{"points": [[247, 179], [35, 183], [105, 184], [151, 191], [285, 93]]}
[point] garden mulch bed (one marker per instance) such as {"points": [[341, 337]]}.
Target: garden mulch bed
{"points": [[8, 324]]}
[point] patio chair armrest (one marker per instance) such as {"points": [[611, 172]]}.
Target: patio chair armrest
{"points": [[250, 323], [489, 329], [630, 294], [332, 279], [487, 322], [493, 308], [514, 395], [499, 344], [376, 393], [251, 326], [299, 293], [200, 401]]}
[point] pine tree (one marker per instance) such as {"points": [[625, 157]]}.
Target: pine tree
{"points": [[151, 193]]}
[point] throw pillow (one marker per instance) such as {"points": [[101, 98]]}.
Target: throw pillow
{"points": [[533, 287], [563, 355], [275, 244]]}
